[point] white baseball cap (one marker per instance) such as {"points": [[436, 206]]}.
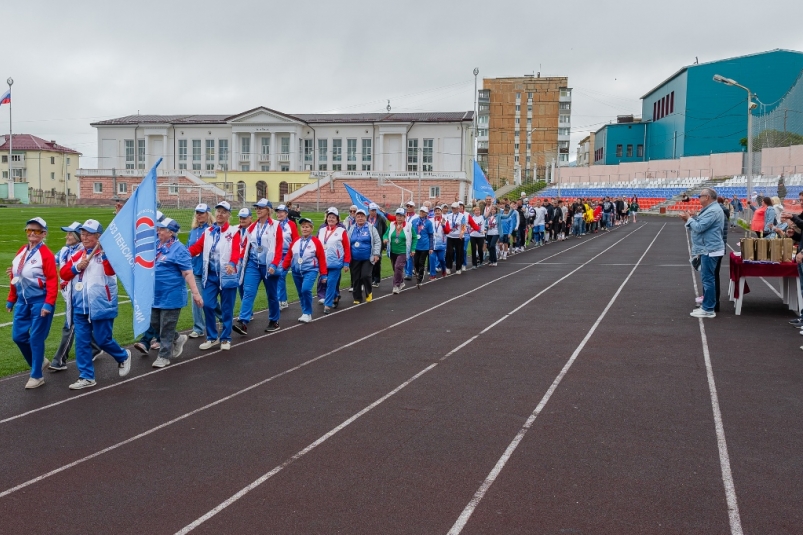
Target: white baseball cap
{"points": [[410, 203], [39, 221], [373, 206], [223, 204], [92, 226], [424, 209], [244, 212], [455, 204], [202, 208], [399, 211], [332, 210]]}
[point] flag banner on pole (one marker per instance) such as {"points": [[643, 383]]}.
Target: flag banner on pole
{"points": [[361, 200], [130, 245], [5, 98], [481, 186]]}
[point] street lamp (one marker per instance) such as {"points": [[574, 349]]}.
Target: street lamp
{"points": [[10, 82], [750, 106]]}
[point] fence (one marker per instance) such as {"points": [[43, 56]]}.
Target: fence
{"points": [[50, 197]]}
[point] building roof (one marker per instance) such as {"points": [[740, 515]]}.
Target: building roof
{"points": [[687, 67], [31, 142], [315, 118]]}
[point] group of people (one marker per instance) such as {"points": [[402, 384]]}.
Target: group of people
{"points": [[222, 260]]}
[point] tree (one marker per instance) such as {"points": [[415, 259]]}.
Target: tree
{"points": [[773, 138]]}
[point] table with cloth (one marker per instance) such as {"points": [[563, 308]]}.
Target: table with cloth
{"points": [[786, 271]]}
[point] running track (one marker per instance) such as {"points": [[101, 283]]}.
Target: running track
{"points": [[565, 391]]}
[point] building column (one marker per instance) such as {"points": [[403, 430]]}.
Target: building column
{"points": [[294, 152], [165, 150], [273, 149], [233, 151], [253, 158], [379, 157], [403, 162]]}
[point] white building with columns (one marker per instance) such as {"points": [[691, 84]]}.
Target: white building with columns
{"points": [[266, 140]]}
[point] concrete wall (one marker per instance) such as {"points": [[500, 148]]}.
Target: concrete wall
{"points": [[387, 196], [782, 160], [20, 192]]}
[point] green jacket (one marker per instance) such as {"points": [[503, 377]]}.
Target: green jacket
{"points": [[401, 244]]}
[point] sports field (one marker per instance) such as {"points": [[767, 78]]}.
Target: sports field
{"points": [[565, 391], [13, 238]]}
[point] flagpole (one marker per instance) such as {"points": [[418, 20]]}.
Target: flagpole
{"points": [[10, 82]]}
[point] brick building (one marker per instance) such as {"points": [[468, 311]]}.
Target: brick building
{"points": [[523, 126], [174, 189]]}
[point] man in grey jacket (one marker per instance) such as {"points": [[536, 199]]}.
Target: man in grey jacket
{"points": [[707, 242]]}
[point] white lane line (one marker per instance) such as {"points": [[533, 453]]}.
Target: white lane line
{"points": [[226, 503], [478, 496], [250, 340], [244, 390], [724, 458], [8, 324]]}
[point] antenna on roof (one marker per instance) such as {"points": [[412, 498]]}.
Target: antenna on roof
{"points": [[388, 108], [696, 61]]}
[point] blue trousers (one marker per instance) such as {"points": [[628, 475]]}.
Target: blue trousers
{"points": [[228, 296], [408, 267], [466, 241], [304, 282], [708, 266], [254, 276], [437, 262], [198, 312], [332, 286], [102, 332], [578, 226], [29, 331]]}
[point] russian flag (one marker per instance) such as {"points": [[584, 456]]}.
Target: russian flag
{"points": [[6, 98]]}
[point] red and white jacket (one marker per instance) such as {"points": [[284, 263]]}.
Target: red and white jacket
{"points": [[313, 257], [289, 234], [453, 222], [38, 279], [271, 239], [336, 246], [228, 247]]}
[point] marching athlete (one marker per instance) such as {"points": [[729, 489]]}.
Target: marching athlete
{"points": [[423, 237], [335, 242], [308, 260], [289, 235], [398, 240], [365, 246], [437, 262]]}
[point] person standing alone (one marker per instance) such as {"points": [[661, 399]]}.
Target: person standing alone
{"points": [[707, 243]]}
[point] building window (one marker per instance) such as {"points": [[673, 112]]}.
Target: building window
{"points": [[52, 176], [68, 160], [223, 152], [518, 107], [618, 151], [530, 96], [337, 151], [565, 92], [412, 155], [564, 131], [529, 108], [516, 147], [427, 155], [245, 167], [671, 104], [265, 168], [210, 166], [322, 152], [482, 119], [52, 160], [285, 145], [518, 96], [210, 152], [518, 121], [141, 153], [285, 168], [629, 151], [122, 187], [172, 189], [196, 154], [640, 151], [482, 132], [565, 105], [182, 151], [337, 167], [366, 167], [366, 153], [564, 157], [245, 145], [97, 187], [129, 153], [351, 167], [529, 146], [265, 150], [182, 166], [516, 158], [68, 177], [309, 151], [351, 150], [528, 160], [322, 167], [434, 192], [565, 119]]}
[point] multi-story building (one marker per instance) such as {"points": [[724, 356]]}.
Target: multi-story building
{"points": [[258, 148], [585, 151], [523, 126], [689, 114], [43, 165]]}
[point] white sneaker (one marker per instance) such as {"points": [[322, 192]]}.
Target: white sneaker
{"points": [[395, 289], [700, 313], [448, 272], [45, 364], [458, 272], [321, 301], [208, 344], [401, 286], [305, 318], [195, 334], [82, 383], [225, 346], [283, 305], [178, 346], [160, 363], [125, 366]]}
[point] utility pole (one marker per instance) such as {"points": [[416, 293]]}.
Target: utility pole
{"points": [[10, 82]]}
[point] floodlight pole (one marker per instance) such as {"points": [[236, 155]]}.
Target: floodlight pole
{"points": [[728, 81], [10, 82]]}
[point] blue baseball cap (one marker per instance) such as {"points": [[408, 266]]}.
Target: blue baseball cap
{"points": [[159, 215], [400, 211], [74, 227], [244, 212], [169, 224], [263, 203], [39, 221], [202, 208], [92, 226]]}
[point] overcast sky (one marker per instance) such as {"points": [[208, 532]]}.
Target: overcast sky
{"points": [[80, 61]]}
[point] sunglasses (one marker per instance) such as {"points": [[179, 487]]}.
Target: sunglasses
{"points": [[34, 231], [352, 211]]}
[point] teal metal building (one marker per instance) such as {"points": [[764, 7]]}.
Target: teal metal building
{"points": [[689, 114]]}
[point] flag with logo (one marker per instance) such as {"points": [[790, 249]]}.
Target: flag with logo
{"points": [[130, 245], [361, 201], [481, 186]]}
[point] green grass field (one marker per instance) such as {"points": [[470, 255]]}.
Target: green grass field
{"points": [[14, 237]]}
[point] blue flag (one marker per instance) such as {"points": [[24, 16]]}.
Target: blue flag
{"points": [[481, 185], [360, 200], [130, 245]]}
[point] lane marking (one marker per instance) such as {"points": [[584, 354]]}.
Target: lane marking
{"points": [[56, 315], [260, 383], [262, 479], [500, 464], [724, 458]]}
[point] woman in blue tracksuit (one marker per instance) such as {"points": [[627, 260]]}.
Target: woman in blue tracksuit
{"points": [[289, 235], [437, 260], [423, 238], [505, 224], [335, 242], [199, 224], [307, 260]]}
